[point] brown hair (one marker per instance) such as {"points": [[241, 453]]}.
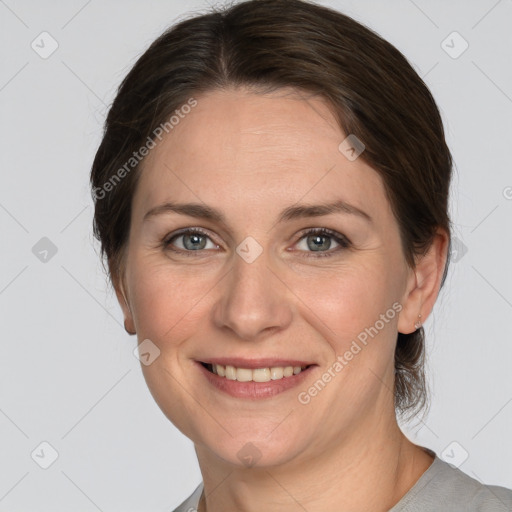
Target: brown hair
{"points": [[271, 44]]}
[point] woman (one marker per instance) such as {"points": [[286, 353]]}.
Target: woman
{"points": [[271, 197]]}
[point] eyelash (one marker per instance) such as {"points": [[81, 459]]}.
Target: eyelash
{"points": [[343, 242]]}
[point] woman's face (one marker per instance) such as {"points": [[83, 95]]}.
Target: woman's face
{"points": [[254, 290]]}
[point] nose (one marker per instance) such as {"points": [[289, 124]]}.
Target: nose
{"points": [[253, 301]]}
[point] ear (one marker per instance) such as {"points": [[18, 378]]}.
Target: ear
{"points": [[424, 283], [123, 300]]}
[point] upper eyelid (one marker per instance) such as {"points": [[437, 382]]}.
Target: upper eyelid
{"points": [[186, 231]]}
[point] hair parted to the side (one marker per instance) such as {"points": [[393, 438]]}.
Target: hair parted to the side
{"points": [[267, 45]]}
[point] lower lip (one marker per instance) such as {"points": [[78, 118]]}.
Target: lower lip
{"points": [[254, 390]]}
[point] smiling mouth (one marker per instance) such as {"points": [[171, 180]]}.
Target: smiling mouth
{"points": [[254, 374]]}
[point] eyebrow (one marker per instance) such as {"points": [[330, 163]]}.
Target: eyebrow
{"points": [[202, 211]]}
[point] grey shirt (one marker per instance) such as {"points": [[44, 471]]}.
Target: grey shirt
{"points": [[442, 488]]}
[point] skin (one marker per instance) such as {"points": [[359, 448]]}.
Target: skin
{"points": [[250, 156]]}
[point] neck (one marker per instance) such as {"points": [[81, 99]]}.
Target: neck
{"points": [[371, 469]]}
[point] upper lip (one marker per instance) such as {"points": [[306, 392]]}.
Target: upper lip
{"points": [[240, 362]]}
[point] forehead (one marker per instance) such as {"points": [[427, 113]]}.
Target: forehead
{"points": [[264, 149]]}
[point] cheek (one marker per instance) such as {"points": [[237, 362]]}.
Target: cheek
{"points": [[165, 300], [172, 301], [169, 303], [347, 300], [356, 310]]}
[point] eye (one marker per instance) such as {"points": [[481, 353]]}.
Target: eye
{"points": [[190, 240], [319, 241], [322, 241]]}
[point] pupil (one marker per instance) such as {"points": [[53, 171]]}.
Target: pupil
{"points": [[319, 242], [194, 242]]}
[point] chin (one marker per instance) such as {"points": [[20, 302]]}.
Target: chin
{"points": [[251, 446]]}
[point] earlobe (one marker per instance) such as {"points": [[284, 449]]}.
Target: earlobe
{"points": [[125, 306], [424, 284], [128, 327], [410, 315], [418, 324]]}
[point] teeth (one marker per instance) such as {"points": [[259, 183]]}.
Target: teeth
{"points": [[288, 371], [243, 375], [260, 375], [230, 372], [276, 373], [256, 375]]}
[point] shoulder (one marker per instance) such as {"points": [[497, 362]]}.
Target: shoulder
{"points": [[446, 486], [192, 502], [442, 485]]}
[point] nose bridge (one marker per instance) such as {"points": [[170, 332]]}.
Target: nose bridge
{"points": [[253, 299]]}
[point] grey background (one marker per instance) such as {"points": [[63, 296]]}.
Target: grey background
{"points": [[67, 373]]}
